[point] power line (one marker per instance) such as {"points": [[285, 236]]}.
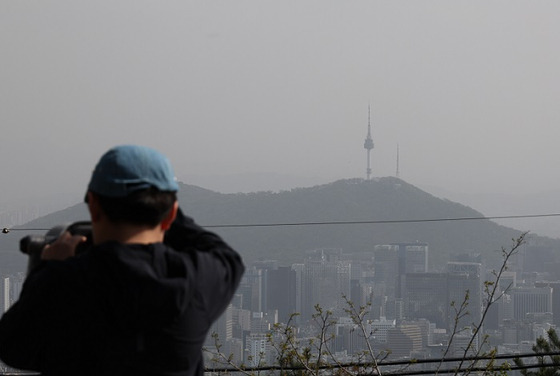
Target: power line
{"points": [[396, 221], [6, 230], [383, 364]]}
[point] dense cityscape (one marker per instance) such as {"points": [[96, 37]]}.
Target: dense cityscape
{"points": [[411, 310]]}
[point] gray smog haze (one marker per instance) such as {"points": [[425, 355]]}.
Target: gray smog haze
{"points": [[267, 95]]}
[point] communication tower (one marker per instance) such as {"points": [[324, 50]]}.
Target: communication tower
{"points": [[368, 144]]}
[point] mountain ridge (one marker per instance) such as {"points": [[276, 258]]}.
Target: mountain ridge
{"points": [[283, 225]]}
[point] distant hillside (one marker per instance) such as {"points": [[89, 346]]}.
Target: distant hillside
{"points": [[384, 199], [356, 200]]}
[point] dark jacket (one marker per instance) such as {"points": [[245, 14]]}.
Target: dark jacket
{"points": [[122, 309]]}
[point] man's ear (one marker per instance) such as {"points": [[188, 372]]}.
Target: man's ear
{"points": [[93, 206], [169, 218]]}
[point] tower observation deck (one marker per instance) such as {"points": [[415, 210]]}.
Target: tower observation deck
{"points": [[368, 145]]}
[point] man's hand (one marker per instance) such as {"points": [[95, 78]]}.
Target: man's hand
{"points": [[63, 247]]}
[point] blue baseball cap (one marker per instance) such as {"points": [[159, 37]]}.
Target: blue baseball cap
{"points": [[129, 168]]}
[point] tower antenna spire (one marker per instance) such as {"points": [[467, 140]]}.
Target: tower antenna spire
{"points": [[368, 144]]}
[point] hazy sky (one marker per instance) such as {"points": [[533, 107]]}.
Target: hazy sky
{"points": [[469, 90]]}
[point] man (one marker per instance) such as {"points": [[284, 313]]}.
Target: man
{"points": [[141, 300]]}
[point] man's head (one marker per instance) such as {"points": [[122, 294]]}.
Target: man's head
{"points": [[134, 184]]}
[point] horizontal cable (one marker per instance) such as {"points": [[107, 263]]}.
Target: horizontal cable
{"points": [[410, 363], [6, 230], [404, 372], [385, 221], [468, 370]]}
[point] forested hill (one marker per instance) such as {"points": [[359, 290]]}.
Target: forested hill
{"points": [[384, 199], [356, 200]]}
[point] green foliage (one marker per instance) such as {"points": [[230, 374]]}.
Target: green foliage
{"points": [[492, 293], [546, 355], [304, 357]]}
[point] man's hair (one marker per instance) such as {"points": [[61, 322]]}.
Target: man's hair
{"points": [[145, 207]]}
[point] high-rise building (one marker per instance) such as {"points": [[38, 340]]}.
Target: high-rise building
{"points": [[386, 270], [555, 299], [259, 350], [508, 280], [527, 300], [281, 292], [349, 337], [251, 290], [426, 297], [403, 340], [241, 319], [267, 287], [222, 329], [465, 285], [416, 257], [299, 271], [380, 327], [326, 279], [392, 261], [464, 344], [426, 329]]}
